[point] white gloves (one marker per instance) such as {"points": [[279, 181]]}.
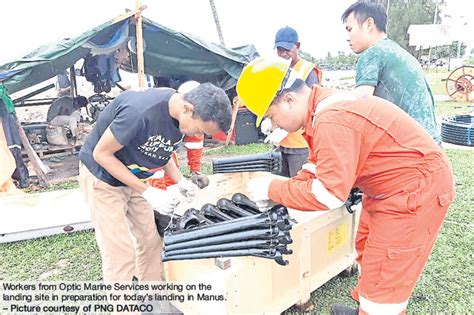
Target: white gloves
{"points": [[164, 202], [258, 191], [266, 126], [276, 136], [187, 188], [160, 200]]}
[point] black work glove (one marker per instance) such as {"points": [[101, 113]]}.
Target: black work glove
{"points": [[201, 180], [162, 221]]}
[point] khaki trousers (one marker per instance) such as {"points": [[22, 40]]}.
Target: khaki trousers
{"points": [[125, 230]]}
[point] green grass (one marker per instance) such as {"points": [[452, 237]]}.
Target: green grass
{"points": [[69, 184], [206, 168], [445, 285], [437, 70], [73, 257], [453, 108], [241, 149], [347, 78], [437, 80]]}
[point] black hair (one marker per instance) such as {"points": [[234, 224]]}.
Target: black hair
{"points": [[211, 104], [365, 9], [80, 101], [295, 87]]}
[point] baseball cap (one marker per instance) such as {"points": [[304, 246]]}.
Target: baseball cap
{"points": [[286, 37]]}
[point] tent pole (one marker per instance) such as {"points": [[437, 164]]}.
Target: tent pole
{"points": [[72, 79], [236, 104], [139, 35]]}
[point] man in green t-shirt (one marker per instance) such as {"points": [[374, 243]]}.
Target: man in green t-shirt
{"points": [[385, 69]]}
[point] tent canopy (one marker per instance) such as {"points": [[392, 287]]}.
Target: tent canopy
{"points": [[167, 53]]}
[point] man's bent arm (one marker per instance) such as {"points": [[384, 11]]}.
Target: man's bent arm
{"points": [[104, 155], [173, 171]]}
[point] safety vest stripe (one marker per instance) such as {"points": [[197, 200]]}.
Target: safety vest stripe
{"points": [[324, 196], [304, 68], [378, 308], [194, 145]]}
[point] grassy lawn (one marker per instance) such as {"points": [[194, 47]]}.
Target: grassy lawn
{"points": [[437, 79], [73, 257], [445, 286], [453, 108]]}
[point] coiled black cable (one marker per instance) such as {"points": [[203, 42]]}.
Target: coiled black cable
{"points": [[458, 129]]}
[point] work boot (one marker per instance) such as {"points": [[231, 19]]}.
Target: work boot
{"points": [[337, 309]]}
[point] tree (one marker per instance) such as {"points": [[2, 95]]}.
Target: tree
{"points": [[450, 51], [340, 61], [403, 13], [307, 56]]}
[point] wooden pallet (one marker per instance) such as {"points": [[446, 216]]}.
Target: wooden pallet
{"points": [[55, 150]]}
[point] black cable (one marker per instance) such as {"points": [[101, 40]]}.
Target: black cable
{"points": [[458, 129]]}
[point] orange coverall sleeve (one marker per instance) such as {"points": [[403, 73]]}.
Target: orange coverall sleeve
{"points": [[335, 149], [195, 148]]}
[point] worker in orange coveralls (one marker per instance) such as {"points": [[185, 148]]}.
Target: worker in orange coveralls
{"points": [[194, 146], [364, 142]]}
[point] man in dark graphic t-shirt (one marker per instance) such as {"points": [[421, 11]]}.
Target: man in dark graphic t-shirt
{"points": [[133, 138]]}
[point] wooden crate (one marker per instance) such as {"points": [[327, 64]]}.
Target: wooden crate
{"points": [[322, 248]]}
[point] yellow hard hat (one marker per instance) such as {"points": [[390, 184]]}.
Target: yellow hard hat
{"points": [[259, 83]]}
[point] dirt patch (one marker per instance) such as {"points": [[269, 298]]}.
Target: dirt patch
{"points": [[62, 168]]}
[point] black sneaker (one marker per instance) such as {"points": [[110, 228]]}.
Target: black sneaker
{"points": [[337, 309]]}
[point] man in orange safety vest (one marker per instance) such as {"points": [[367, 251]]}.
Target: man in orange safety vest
{"points": [[293, 147]]}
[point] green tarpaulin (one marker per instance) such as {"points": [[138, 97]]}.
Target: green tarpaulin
{"points": [[167, 53]]}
